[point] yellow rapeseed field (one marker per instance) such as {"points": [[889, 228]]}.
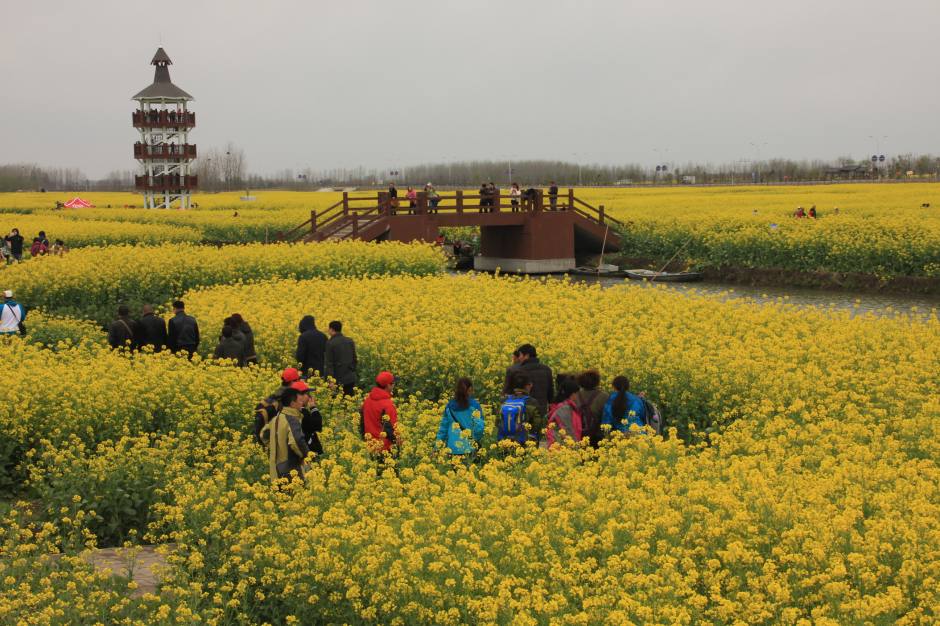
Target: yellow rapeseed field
{"points": [[799, 482], [880, 229]]}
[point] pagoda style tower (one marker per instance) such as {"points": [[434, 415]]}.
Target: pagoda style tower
{"points": [[163, 151]]}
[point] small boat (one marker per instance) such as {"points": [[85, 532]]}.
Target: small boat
{"points": [[603, 270], [663, 277]]}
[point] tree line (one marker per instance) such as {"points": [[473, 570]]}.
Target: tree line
{"points": [[221, 169]]}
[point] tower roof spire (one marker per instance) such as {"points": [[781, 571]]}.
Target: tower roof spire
{"points": [[162, 87]]}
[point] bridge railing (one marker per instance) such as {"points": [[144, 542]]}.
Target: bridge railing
{"points": [[359, 210]]}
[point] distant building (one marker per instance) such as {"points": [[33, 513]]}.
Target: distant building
{"points": [[163, 150], [847, 172]]}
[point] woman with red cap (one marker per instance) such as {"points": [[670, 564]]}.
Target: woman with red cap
{"points": [[379, 416]]}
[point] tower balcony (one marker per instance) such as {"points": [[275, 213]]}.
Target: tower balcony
{"points": [[166, 182], [163, 119], [164, 151]]}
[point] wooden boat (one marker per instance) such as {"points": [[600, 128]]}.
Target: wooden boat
{"points": [[610, 271], [663, 277]]}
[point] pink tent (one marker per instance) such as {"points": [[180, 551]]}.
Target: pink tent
{"points": [[78, 203]]}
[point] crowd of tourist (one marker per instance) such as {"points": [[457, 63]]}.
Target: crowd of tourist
{"points": [[11, 250], [538, 407]]}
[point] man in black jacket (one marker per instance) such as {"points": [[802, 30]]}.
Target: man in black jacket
{"points": [[123, 331], [182, 331], [311, 347], [152, 330], [539, 374], [339, 360]]}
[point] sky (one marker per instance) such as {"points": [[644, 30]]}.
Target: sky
{"points": [[319, 84]]}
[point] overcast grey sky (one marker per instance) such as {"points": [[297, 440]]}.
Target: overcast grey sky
{"points": [[383, 83]]}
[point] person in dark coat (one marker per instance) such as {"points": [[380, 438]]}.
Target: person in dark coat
{"points": [[152, 330], [15, 241], [123, 331], [229, 347], [182, 331], [238, 323], [540, 375], [311, 347], [339, 361]]}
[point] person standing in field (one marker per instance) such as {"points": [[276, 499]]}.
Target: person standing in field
{"points": [[525, 360], [15, 241], [271, 405], [564, 418], [590, 403], [339, 359], [520, 420], [311, 347], [462, 414], [380, 417], [553, 196], [12, 314], [152, 330], [624, 409], [229, 347], [248, 338], [182, 331], [123, 331], [284, 435], [412, 197]]}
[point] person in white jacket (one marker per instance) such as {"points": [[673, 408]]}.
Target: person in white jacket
{"points": [[12, 314]]}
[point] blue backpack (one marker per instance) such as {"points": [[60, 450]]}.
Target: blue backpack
{"points": [[512, 419]]}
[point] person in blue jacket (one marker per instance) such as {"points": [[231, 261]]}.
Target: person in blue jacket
{"points": [[462, 413], [623, 409]]}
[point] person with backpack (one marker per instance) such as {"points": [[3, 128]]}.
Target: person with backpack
{"points": [[462, 413], [624, 409], [269, 407], [123, 332], [590, 403], [520, 419], [12, 314], [284, 436], [379, 418], [564, 418]]}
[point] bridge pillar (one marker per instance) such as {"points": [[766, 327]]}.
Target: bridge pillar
{"points": [[542, 244]]}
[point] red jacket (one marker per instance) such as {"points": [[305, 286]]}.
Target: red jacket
{"points": [[377, 402]]}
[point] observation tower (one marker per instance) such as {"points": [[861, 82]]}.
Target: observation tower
{"points": [[163, 150]]}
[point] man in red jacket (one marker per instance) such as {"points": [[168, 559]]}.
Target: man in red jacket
{"points": [[379, 417]]}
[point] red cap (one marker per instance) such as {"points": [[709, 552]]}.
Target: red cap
{"points": [[300, 386], [290, 375], [384, 379]]}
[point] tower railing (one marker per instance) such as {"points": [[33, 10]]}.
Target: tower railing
{"points": [[164, 151], [163, 119]]}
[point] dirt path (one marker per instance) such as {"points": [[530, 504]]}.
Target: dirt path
{"points": [[142, 564]]}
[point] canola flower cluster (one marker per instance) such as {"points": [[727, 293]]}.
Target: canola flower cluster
{"points": [[92, 282], [813, 497], [880, 229], [81, 233]]}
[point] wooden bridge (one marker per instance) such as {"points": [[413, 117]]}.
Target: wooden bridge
{"points": [[535, 235]]}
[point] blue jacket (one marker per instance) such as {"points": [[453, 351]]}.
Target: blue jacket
{"points": [[455, 420], [623, 422]]}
